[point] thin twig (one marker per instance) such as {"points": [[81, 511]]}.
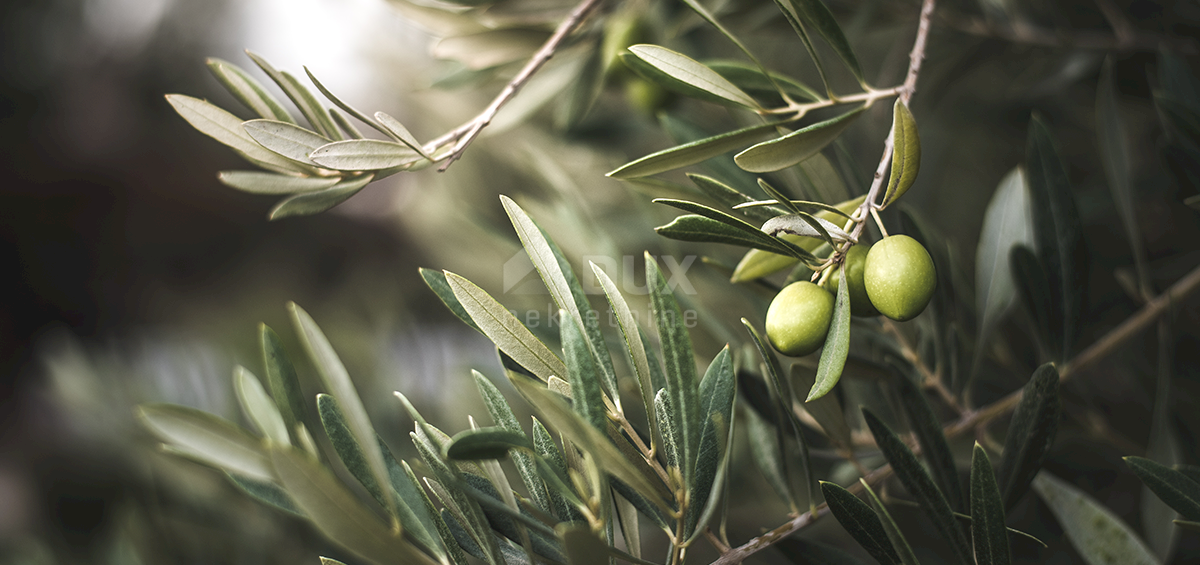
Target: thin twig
{"points": [[463, 135]]}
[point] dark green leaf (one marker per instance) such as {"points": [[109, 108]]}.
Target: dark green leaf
{"points": [[552, 468], [258, 406], [1057, 232], [731, 197], [413, 507], [794, 147], [1030, 434], [680, 366], [827, 410], [692, 152], [281, 378], [914, 478], [717, 390], [781, 246], [337, 514], [310, 203], [288, 140], [693, 227], [752, 80], [485, 443], [906, 152], [767, 452], [889, 527], [685, 69], [987, 513], [794, 20], [1171, 486], [209, 439], [1182, 120], [861, 522], [631, 333], [337, 381], [266, 492], [582, 373], [505, 330], [503, 416], [1034, 289], [836, 348], [464, 508], [436, 281], [781, 409], [815, 14], [346, 447], [1098, 534], [247, 90], [256, 182], [932, 440]]}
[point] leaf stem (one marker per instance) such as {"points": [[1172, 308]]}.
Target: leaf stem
{"points": [[802, 108], [463, 135]]}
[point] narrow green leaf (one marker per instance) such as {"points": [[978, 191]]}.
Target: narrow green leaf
{"points": [[749, 230], [630, 530], [363, 155], [664, 80], [412, 506], [1187, 525], [693, 227], [1033, 288], [717, 390], [397, 130], [684, 68], [505, 330], [807, 225], [485, 443], [300, 96], [889, 527], [337, 382], [781, 400], [337, 514], [733, 198], [800, 205], [1057, 231], [583, 546], [1030, 434], [209, 439], [380, 127], [552, 468], [267, 493], [692, 152], [348, 448], [906, 152], [582, 373], [344, 124], [666, 417], [444, 483], [767, 453], [288, 140], [794, 147], [914, 478], [227, 129], [311, 203], [1006, 224], [987, 513], [256, 182], [1098, 535], [793, 19], [752, 80], [1114, 147], [259, 407], [416, 497], [757, 263], [827, 410], [436, 281], [861, 522], [837, 346], [630, 332], [814, 13], [247, 90], [503, 416], [932, 440], [680, 365], [1172, 487], [593, 441], [329, 561]]}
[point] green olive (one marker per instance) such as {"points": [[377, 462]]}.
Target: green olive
{"points": [[856, 259], [900, 277], [647, 96], [798, 318]]}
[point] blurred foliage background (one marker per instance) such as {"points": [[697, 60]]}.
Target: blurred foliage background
{"points": [[133, 275]]}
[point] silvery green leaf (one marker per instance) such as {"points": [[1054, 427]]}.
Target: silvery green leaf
{"points": [[1006, 224], [692, 152], [783, 152], [638, 359], [344, 124], [861, 522], [816, 14], [417, 513], [505, 330], [256, 182], [310, 203], [1098, 535], [914, 478], [988, 533], [227, 128], [837, 345], [584, 376], [337, 382], [717, 391], [680, 366], [807, 225], [436, 281], [664, 415], [266, 492], [890, 528], [258, 406], [733, 198], [693, 227], [364, 155], [906, 152], [312, 110], [1057, 231], [346, 107], [748, 230], [552, 468], [210, 439], [485, 443], [288, 140], [503, 416], [1030, 434], [337, 514], [662, 79], [397, 130], [347, 447], [247, 90], [690, 71]]}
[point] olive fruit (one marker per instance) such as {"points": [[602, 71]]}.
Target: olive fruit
{"points": [[646, 96], [900, 277], [799, 318], [856, 258]]}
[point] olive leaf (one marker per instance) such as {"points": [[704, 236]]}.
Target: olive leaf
{"points": [[1097, 533], [247, 90], [794, 147], [988, 533], [692, 72], [837, 346], [692, 152], [906, 152]]}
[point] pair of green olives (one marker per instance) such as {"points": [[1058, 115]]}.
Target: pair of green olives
{"points": [[894, 277]]}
